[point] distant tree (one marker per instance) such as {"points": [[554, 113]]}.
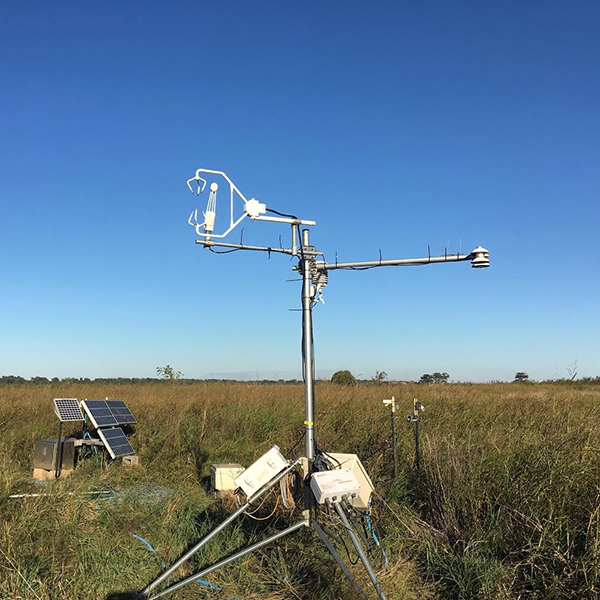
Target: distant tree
{"points": [[573, 369], [343, 378], [521, 377], [169, 373], [12, 379], [39, 380], [440, 377], [426, 378], [379, 377]]}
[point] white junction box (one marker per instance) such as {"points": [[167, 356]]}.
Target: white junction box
{"points": [[333, 485], [352, 462], [258, 474], [222, 477]]}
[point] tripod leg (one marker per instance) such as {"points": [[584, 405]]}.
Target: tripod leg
{"points": [[338, 560], [361, 554], [228, 560], [214, 532]]}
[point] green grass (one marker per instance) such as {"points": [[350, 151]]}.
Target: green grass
{"points": [[506, 504]]}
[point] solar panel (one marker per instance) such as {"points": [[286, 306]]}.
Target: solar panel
{"points": [[99, 413], [120, 412], [67, 409], [115, 442], [108, 413]]}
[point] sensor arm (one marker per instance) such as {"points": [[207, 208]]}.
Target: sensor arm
{"points": [[209, 243], [479, 258]]}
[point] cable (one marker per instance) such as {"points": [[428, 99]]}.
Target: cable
{"points": [[340, 537], [376, 266], [251, 515], [141, 539], [295, 444], [207, 584], [275, 212], [333, 458], [367, 517], [224, 251]]}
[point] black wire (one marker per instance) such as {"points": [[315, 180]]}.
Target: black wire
{"points": [[333, 458], [281, 214], [296, 444], [223, 251], [377, 266], [340, 537]]}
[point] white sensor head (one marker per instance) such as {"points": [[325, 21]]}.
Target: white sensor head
{"points": [[214, 187], [254, 208], [480, 258]]}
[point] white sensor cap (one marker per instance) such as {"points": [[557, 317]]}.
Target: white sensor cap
{"points": [[481, 258]]}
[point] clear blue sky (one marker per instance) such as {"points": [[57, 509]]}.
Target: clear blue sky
{"points": [[394, 125]]}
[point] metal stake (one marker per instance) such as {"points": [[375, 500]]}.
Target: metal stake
{"points": [[58, 455], [413, 418], [417, 452], [393, 406]]}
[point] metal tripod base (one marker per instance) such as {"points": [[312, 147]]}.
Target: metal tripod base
{"points": [[280, 534]]}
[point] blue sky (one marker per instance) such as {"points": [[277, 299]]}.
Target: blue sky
{"points": [[394, 125]]}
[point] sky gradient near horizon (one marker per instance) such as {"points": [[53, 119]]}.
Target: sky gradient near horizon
{"points": [[394, 125]]}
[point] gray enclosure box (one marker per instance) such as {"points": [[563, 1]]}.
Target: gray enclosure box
{"points": [[45, 454]]}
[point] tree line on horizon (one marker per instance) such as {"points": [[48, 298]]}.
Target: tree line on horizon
{"points": [[344, 377]]}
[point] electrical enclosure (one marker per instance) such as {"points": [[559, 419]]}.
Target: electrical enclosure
{"points": [[45, 454], [261, 472], [352, 462], [334, 485], [222, 477]]}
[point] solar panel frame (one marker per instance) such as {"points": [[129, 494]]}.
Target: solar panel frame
{"points": [[67, 410], [115, 441]]}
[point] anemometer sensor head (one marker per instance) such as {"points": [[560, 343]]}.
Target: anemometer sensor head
{"points": [[480, 258], [239, 208]]}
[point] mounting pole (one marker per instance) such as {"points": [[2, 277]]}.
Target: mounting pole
{"points": [[417, 449], [393, 406], [308, 348], [58, 455], [413, 418]]}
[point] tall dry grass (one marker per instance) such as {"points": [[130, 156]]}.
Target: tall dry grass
{"points": [[506, 504]]}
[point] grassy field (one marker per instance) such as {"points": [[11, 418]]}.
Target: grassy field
{"points": [[506, 504]]}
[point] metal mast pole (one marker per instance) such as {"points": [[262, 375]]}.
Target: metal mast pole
{"points": [[394, 440], [308, 348], [58, 455]]}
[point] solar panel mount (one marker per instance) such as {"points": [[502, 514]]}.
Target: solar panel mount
{"points": [[67, 410]]}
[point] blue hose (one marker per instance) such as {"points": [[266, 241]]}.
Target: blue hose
{"points": [[149, 546], [375, 538], [89, 437], [164, 566]]}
